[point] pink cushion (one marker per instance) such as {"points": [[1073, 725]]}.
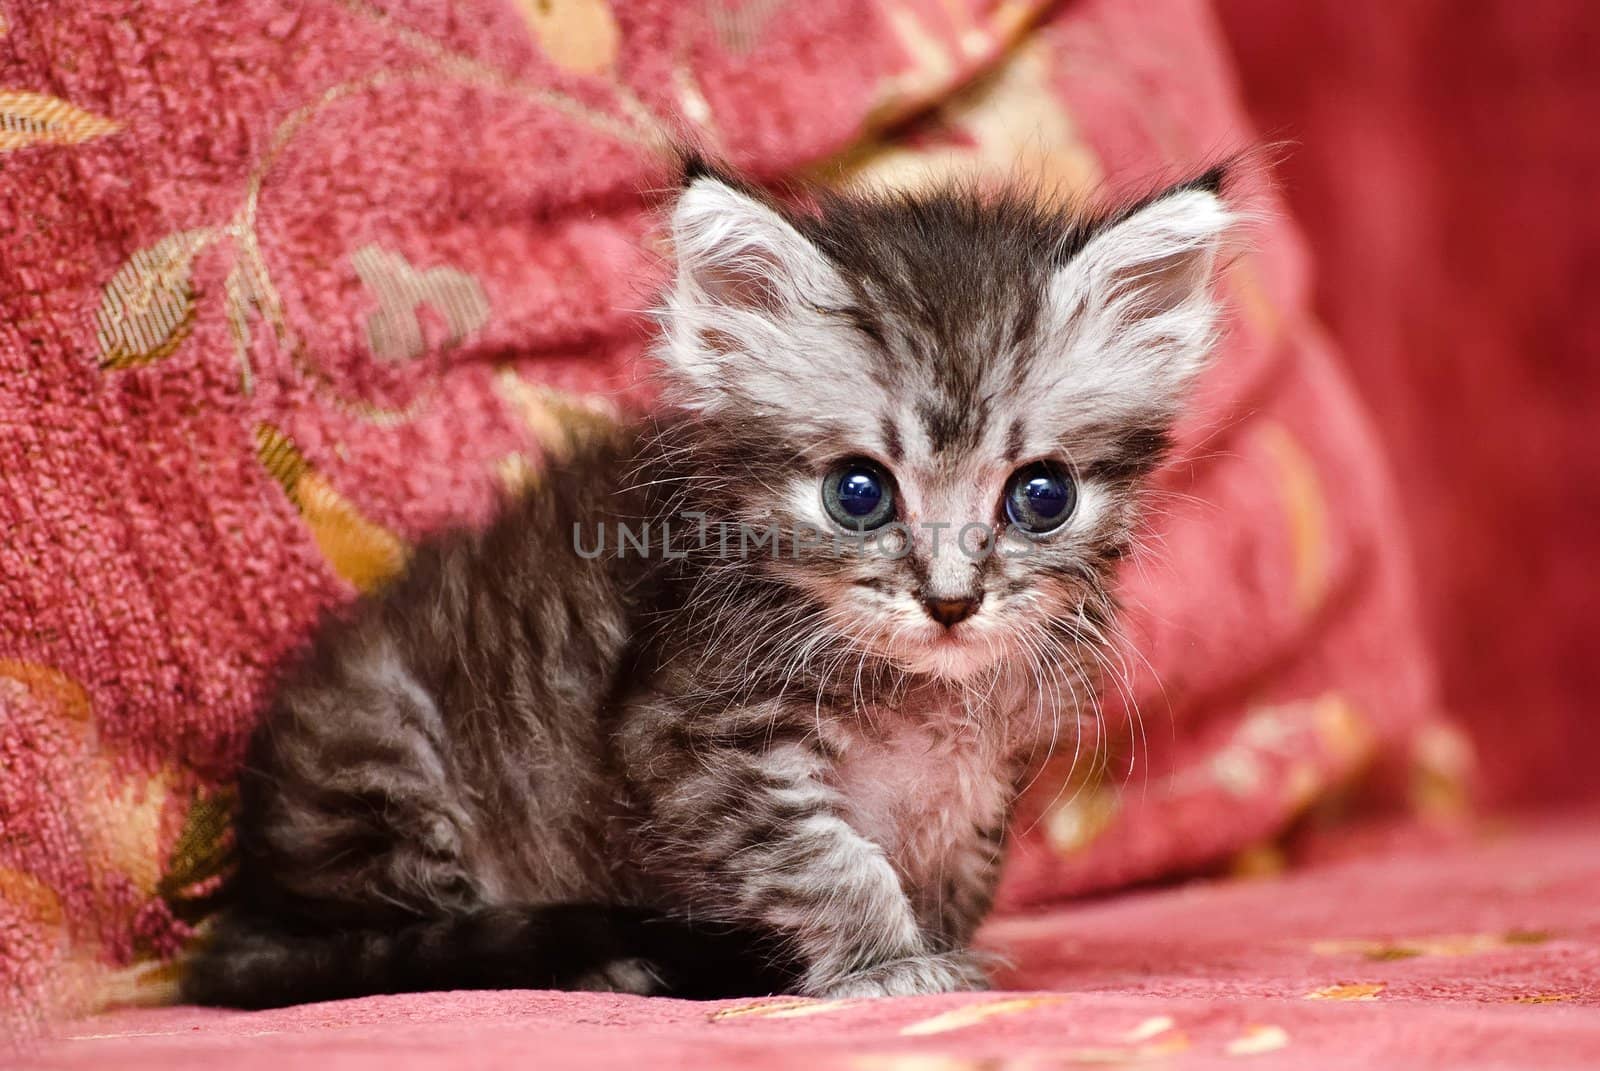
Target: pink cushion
{"points": [[282, 284]]}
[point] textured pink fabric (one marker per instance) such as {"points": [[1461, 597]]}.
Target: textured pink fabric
{"points": [[1461, 285], [1481, 958], [280, 285]]}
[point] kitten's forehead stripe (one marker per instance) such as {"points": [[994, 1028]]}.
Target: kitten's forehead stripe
{"points": [[952, 285], [892, 443], [949, 426], [1014, 442]]}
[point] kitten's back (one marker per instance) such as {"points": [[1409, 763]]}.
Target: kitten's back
{"points": [[440, 749]]}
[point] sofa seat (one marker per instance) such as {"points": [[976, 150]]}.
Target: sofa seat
{"points": [[1480, 954]]}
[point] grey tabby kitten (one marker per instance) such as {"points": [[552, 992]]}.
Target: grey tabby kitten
{"points": [[738, 700]]}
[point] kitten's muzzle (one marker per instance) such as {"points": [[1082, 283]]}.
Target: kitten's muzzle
{"points": [[951, 612]]}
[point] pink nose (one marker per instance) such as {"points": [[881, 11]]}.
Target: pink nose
{"points": [[950, 612]]}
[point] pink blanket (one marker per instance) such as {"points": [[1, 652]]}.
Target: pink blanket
{"points": [[1481, 958], [285, 285]]}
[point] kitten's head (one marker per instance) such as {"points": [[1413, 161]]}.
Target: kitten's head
{"points": [[976, 383]]}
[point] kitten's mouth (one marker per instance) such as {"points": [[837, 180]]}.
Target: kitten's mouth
{"points": [[923, 647], [952, 654]]}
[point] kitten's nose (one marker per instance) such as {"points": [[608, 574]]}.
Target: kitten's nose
{"points": [[951, 612]]}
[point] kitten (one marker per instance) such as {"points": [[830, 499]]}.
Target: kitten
{"points": [[737, 700]]}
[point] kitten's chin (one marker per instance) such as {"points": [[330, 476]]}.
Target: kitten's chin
{"points": [[948, 658]]}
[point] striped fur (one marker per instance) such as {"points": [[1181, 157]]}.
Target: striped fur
{"points": [[704, 773]]}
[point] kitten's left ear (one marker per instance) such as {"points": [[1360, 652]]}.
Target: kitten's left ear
{"points": [[1136, 297]]}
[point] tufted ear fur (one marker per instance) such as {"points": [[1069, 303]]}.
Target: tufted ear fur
{"points": [[748, 290], [1135, 303]]}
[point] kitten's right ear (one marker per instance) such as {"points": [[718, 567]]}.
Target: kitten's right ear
{"points": [[737, 253]]}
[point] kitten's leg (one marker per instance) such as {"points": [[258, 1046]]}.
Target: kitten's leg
{"points": [[351, 805], [753, 835], [970, 873]]}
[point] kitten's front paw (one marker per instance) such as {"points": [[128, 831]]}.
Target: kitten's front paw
{"points": [[948, 972]]}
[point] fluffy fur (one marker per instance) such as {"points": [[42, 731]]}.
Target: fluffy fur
{"points": [[704, 772]]}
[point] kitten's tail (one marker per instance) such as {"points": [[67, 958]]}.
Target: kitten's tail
{"points": [[248, 963]]}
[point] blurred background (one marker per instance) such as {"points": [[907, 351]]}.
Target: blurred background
{"points": [[1445, 170]]}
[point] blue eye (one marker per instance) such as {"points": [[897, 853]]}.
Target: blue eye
{"points": [[858, 495], [1040, 497]]}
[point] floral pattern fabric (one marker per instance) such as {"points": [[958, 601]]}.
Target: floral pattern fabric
{"points": [[286, 286]]}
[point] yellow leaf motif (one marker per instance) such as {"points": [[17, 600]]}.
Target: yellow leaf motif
{"points": [[124, 830], [1447, 946], [578, 35], [393, 332], [50, 686], [1009, 119], [363, 553], [147, 308], [1153, 1027], [1076, 819], [929, 73], [146, 984], [242, 296], [1257, 1039], [203, 852], [972, 1014], [1305, 505], [31, 898], [1348, 991], [1258, 861], [560, 422], [120, 824], [516, 474], [1345, 734], [39, 119], [782, 1008], [739, 23], [1442, 761]]}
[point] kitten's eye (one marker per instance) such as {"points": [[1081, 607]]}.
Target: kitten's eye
{"points": [[858, 495], [1040, 497]]}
